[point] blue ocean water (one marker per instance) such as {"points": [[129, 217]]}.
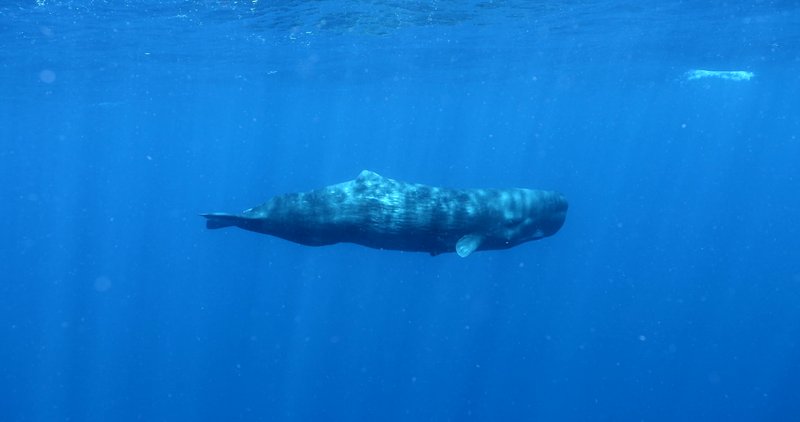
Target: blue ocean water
{"points": [[671, 293]]}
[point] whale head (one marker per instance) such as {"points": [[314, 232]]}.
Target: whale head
{"points": [[530, 215]]}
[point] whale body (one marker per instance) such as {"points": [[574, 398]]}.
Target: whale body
{"points": [[383, 213]]}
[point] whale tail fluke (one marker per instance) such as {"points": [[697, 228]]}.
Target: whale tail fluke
{"points": [[220, 220]]}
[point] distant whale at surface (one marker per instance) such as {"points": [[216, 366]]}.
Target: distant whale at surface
{"points": [[382, 213]]}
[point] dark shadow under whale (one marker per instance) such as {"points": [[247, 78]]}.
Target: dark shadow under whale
{"points": [[383, 213]]}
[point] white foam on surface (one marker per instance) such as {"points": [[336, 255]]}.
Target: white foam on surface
{"points": [[731, 75]]}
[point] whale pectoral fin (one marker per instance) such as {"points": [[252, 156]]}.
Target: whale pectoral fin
{"points": [[468, 244]]}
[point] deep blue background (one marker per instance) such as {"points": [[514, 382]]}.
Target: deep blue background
{"points": [[671, 293]]}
